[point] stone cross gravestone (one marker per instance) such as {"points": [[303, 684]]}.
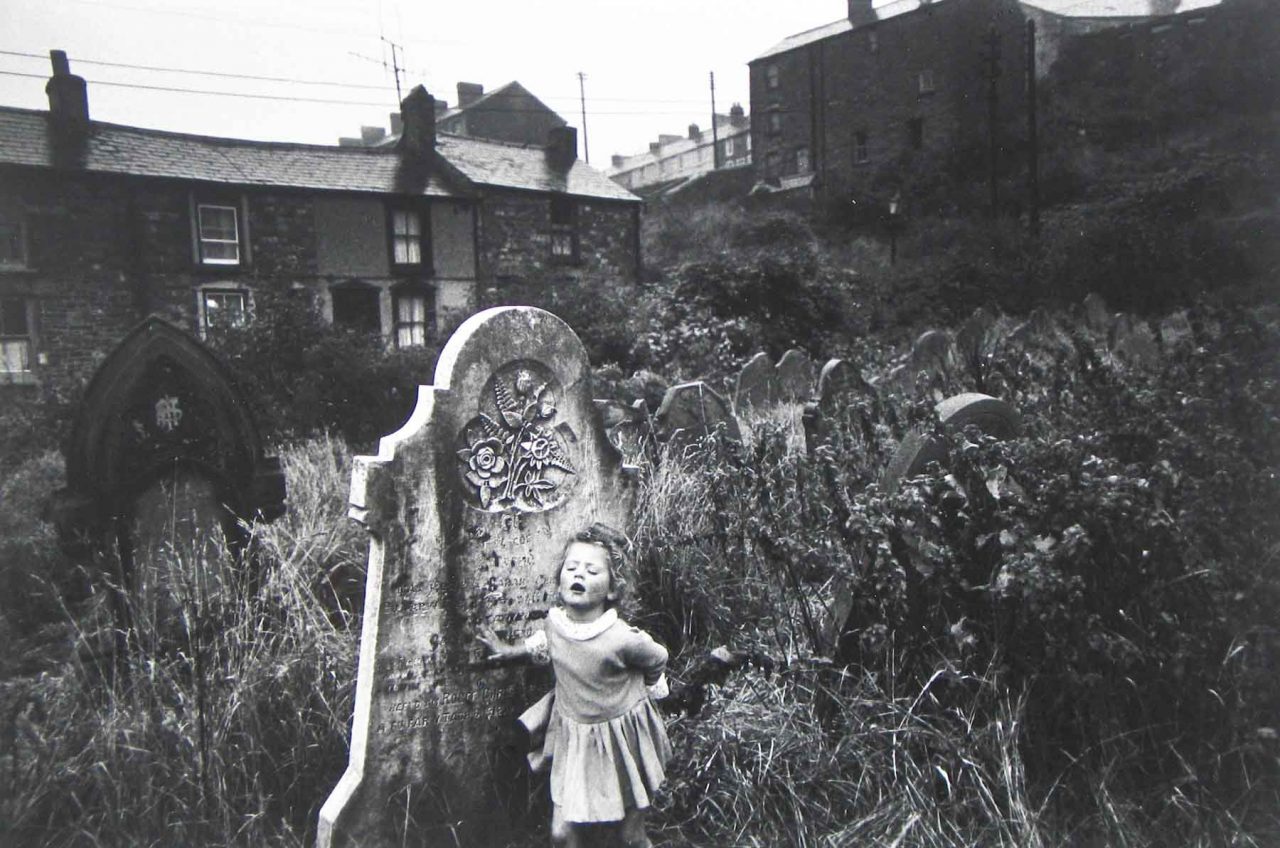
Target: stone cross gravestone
{"points": [[468, 507], [163, 462]]}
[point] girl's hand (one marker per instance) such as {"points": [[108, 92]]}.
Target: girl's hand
{"points": [[498, 649]]}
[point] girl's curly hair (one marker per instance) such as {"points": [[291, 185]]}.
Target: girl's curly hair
{"points": [[617, 547]]}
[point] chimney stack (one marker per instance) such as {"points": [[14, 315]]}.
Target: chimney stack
{"points": [[618, 160], [654, 147], [737, 117], [68, 94], [397, 123], [694, 132], [562, 147], [418, 115], [369, 136], [442, 106], [468, 93], [861, 12]]}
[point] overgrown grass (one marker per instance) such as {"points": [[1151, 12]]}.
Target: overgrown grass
{"points": [[222, 717]]}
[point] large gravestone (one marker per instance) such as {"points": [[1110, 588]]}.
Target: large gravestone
{"points": [[468, 507], [992, 416], [163, 463], [794, 376], [839, 383]]}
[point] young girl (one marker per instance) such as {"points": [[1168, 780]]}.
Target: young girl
{"points": [[605, 739]]}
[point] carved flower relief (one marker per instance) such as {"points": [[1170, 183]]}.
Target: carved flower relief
{"points": [[487, 467], [513, 460]]}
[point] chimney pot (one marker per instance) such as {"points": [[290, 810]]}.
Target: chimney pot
{"points": [[562, 147], [418, 114], [694, 132], [68, 95], [468, 93]]}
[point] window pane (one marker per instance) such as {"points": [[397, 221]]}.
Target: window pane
{"points": [[224, 309], [13, 316], [15, 356], [411, 308], [218, 223], [408, 250], [561, 244], [357, 308], [215, 251], [11, 243]]}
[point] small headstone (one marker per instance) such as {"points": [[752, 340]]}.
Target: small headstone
{"points": [[1132, 341], [1176, 332], [1096, 316], [976, 338], [757, 385], [933, 353], [468, 507], [646, 386], [838, 379], [626, 426], [795, 376], [692, 411], [163, 463]]}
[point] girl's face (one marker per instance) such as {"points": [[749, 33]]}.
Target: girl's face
{"points": [[585, 582]]}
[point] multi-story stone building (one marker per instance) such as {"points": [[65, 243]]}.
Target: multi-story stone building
{"points": [[102, 224], [905, 83], [673, 159]]}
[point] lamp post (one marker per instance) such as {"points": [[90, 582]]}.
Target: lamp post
{"points": [[894, 205]]}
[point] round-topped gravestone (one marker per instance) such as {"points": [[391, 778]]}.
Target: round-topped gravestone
{"points": [[757, 385], [692, 411], [469, 506], [794, 376], [993, 417], [933, 352]]}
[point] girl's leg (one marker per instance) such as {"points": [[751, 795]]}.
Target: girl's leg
{"points": [[633, 835], [563, 834]]}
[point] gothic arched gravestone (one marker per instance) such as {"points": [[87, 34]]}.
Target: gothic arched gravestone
{"points": [[163, 462], [468, 508]]}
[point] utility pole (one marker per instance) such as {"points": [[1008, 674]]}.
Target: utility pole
{"points": [[715, 133], [582, 94], [1033, 138], [992, 58]]}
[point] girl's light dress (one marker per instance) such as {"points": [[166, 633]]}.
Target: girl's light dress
{"points": [[606, 741]]}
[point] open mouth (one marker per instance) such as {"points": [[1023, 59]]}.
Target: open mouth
{"points": [[577, 587]]}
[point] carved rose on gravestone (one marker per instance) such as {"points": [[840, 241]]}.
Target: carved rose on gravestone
{"points": [[514, 461]]}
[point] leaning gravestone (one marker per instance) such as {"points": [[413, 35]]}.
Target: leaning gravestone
{"points": [[163, 463], [992, 417], [468, 507], [934, 353], [794, 376], [691, 411], [757, 385], [838, 384]]}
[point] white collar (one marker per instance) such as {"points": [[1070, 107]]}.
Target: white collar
{"points": [[582, 630]]}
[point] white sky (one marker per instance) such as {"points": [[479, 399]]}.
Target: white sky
{"points": [[647, 63]]}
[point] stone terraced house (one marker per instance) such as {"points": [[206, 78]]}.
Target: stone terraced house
{"points": [[103, 224]]}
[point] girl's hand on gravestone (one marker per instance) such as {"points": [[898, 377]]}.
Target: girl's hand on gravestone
{"points": [[498, 649]]}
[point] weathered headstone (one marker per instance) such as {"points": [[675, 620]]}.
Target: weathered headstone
{"points": [[1096, 317], [933, 353], [838, 383], [794, 376], [757, 385], [468, 508], [1176, 332], [626, 426], [163, 462], [977, 338], [993, 417], [691, 411], [1132, 341]]}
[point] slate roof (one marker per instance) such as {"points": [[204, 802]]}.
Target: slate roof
{"points": [[25, 139], [514, 85], [522, 166], [1063, 8]]}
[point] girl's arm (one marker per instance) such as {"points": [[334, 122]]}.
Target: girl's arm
{"points": [[642, 653]]}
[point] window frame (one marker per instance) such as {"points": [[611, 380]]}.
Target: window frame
{"points": [[775, 123], [564, 231], [399, 294], [13, 210], [772, 76], [802, 160], [861, 151], [239, 207], [365, 289], [925, 84], [218, 290], [422, 213], [28, 339]]}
